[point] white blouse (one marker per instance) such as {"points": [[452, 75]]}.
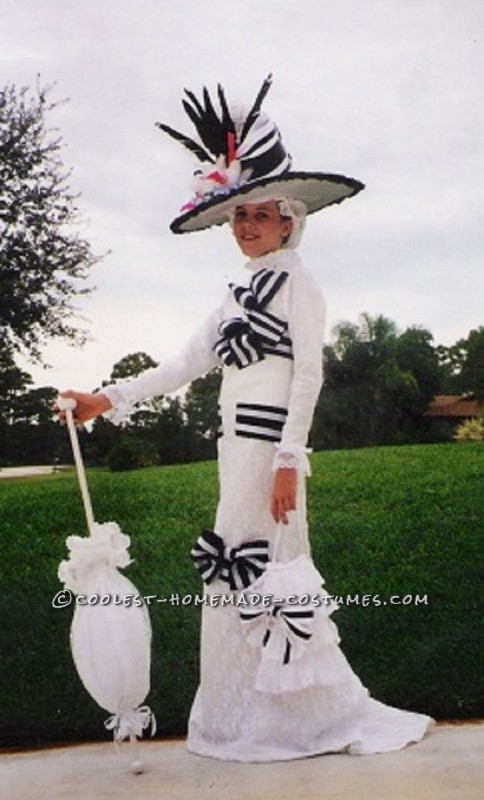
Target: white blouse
{"points": [[298, 302]]}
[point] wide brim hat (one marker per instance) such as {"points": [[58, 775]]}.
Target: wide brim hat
{"points": [[247, 163]]}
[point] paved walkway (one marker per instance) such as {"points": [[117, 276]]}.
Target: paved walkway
{"points": [[446, 765], [25, 472]]}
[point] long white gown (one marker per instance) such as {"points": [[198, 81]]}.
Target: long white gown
{"points": [[264, 404]]}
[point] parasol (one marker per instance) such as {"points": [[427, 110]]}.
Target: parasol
{"points": [[110, 632]]}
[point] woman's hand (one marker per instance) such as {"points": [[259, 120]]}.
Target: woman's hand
{"points": [[283, 498], [88, 406]]}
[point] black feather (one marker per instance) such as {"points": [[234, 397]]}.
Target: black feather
{"points": [[215, 132], [227, 120], [211, 129], [196, 103], [254, 112], [191, 145]]}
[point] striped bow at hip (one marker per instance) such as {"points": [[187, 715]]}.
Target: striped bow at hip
{"points": [[296, 625], [245, 340], [238, 566]]}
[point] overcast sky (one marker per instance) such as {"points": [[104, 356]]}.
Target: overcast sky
{"points": [[385, 91]]}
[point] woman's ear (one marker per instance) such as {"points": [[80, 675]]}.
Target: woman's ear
{"points": [[286, 230]]}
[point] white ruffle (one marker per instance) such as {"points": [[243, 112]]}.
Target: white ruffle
{"points": [[121, 407], [292, 456], [278, 260], [106, 546], [131, 723]]}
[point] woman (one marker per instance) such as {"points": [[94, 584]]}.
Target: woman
{"points": [[268, 336]]}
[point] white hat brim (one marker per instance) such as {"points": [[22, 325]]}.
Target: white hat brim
{"points": [[315, 189]]}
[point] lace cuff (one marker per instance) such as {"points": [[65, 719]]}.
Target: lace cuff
{"points": [[292, 456], [122, 407]]}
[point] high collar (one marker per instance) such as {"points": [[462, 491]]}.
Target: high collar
{"points": [[278, 261]]}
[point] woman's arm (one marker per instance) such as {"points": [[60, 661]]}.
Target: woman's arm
{"points": [[306, 320], [117, 400]]}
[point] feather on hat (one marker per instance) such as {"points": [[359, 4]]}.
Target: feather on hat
{"points": [[247, 160]]}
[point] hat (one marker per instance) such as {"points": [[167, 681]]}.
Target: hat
{"points": [[247, 161]]}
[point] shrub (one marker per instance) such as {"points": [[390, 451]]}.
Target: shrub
{"points": [[472, 430], [383, 521], [132, 453]]}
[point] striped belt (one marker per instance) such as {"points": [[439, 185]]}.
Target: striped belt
{"points": [[256, 421]]}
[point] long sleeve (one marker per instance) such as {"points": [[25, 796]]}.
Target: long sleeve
{"points": [[306, 320], [193, 361]]}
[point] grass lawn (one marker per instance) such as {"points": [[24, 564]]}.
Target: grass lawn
{"points": [[389, 521]]}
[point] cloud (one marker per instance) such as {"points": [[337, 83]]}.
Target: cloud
{"points": [[387, 92]]}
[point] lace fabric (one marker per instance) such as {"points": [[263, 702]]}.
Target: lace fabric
{"points": [[292, 457], [240, 712], [247, 708]]}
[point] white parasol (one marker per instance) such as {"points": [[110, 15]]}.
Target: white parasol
{"points": [[111, 632], [290, 626]]}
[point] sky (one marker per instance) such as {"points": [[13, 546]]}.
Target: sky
{"points": [[385, 91]]}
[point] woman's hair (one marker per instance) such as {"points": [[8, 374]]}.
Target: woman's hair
{"points": [[295, 210]]}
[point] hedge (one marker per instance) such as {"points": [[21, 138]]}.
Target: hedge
{"points": [[388, 521]]}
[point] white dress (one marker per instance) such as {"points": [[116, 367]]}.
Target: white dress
{"points": [[267, 404]]}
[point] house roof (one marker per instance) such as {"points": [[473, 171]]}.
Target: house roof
{"points": [[453, 405]]}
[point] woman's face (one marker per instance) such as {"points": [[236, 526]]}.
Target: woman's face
{"points": [[259, 228]]}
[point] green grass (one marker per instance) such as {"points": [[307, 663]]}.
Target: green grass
{"points": [[383, 521]]}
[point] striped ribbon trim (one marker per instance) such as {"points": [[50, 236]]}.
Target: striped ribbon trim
{"points": [[246, 340], [238, 566], [297, 624], [264, 285], [257, 421]]}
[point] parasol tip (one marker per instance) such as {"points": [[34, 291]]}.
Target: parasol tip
{"points": [[137, 767]]}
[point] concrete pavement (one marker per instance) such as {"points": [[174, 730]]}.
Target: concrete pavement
{"points": [[446, 765], [27, 472]]}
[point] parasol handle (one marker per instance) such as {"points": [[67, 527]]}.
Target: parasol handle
{"points": [[67, 404]]}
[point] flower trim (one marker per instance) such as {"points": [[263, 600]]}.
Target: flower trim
{"points": [[219, 179]]}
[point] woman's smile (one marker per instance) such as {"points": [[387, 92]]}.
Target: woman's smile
{"points": [[259, 228]]}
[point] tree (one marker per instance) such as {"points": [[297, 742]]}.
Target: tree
{"points": [[43, 260], [378, 384], [13, 383], [131, 366], [464, 364], [202, 414], [28, 433]]}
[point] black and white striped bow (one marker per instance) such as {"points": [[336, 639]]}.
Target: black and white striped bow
{"points": [[237, 566], [263, 287], [244, 339], [296, 622]]}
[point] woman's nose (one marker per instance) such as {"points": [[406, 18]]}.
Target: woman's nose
{"points": [[249, 224]]}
